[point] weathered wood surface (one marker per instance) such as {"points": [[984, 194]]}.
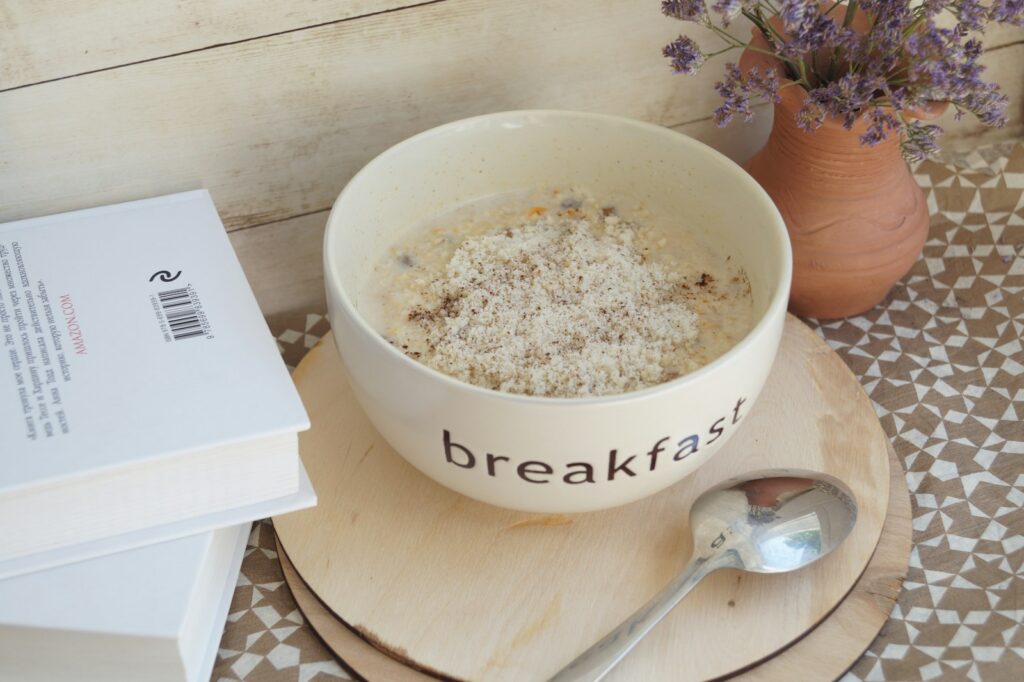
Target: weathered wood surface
{"points": [[49, 39], [60, 38], [273, 106]]}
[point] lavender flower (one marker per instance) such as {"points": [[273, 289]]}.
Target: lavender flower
{"points": [[728, 9], [932, 8], [883, 122], [685, 55], [903, 60], [919, 140], [811, 116], [812, 34], [796, 13], [737, 91], [944, 67], [685, 10], [972, 14], [1008, 12]]}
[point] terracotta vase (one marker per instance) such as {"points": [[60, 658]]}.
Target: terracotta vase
{"points": [[857, 220]]}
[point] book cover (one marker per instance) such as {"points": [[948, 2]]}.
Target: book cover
{"points": [[141, 394], [128, 333]]}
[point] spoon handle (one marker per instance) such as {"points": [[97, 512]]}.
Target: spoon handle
{"points": [[594, 663]]}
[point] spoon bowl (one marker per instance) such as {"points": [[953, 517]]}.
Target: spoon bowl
{"points": [[773, 521], [764, 522]]}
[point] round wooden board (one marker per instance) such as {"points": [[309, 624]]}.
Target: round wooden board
{"points": [[824, 653], [480, 593]]}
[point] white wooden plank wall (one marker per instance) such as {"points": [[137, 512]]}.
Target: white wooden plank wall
{"points": [[274, 105], [49, 39]]}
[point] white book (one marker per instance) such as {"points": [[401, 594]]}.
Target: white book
{"points": [[140, 388], [155, 613], [304, 498]]}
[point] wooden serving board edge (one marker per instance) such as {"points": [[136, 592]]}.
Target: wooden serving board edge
{"points": [[826, 651], [655, 652], [854, 623]]}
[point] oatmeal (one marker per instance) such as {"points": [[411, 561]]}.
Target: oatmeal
{"points": [[554, 294]]}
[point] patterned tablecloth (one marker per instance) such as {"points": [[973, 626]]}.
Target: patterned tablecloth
{"points": [[943, 364]]}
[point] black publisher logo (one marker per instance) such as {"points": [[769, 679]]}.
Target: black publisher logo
{"points": [[165, 275]]}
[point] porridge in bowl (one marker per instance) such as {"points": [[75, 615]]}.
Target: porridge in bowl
{"points": [[691, 265], [556, 294]]}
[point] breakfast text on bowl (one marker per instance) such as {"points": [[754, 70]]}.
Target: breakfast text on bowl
{"points": [[575, 473]]}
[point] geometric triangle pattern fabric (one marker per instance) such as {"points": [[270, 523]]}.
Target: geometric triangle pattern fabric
{"points": [[266, 637], [943, 362]]}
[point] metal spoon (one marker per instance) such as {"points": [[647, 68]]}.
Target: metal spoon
{"points": [[767, 522]]}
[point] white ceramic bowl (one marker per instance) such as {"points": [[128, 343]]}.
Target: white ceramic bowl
{"points": [[554, 454]]}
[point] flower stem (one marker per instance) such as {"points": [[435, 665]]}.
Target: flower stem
{"points": [[833, 64], [850, 11], [771, 36], [913, 26]]}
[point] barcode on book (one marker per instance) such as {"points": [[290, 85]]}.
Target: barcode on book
{"points": [[181, 308]]}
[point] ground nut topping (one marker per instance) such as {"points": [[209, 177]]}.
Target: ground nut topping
{"points": [[554, 294], [555, 306]]}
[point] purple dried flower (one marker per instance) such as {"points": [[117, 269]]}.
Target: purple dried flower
{"points": [[882, 44], [844, 98], [972, 14], [807, 27], [972, 49], [811, 116], [728, 9], [934, 7], [686, 10], [985, 101], [903, 98], [944, 68], [795, 14], [876, 7], [816, 32], [892, 59], [881, 123], [685, 55], [1008, 12], [737, 91], [919, 140]]}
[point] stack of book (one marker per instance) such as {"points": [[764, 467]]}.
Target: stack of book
{"points": [[146, 419]]}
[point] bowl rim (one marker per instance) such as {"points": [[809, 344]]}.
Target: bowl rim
{"points": [[776, 306]]}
